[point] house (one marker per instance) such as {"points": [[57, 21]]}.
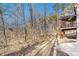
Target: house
{"points": [[70, 48]]}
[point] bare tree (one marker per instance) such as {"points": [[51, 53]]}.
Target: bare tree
{"points": [[24, 21], [56, 9], [16, 19], [45, 12], [3, 23], [31, 14]]}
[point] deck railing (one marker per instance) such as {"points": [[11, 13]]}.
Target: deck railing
{"points": [[68, 24]]}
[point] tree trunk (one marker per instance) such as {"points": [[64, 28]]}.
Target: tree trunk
{"points": [[4, 32]]}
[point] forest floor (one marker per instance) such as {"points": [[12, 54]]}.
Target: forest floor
{"points": [[45, 48]]}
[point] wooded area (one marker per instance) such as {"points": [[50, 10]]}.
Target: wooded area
{"points": [[24, 27]]}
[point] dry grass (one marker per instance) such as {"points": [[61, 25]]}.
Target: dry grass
{"points": [[16, 40]]}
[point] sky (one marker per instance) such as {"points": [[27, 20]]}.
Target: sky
{"points": [[38, 6], [9, 8]]}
